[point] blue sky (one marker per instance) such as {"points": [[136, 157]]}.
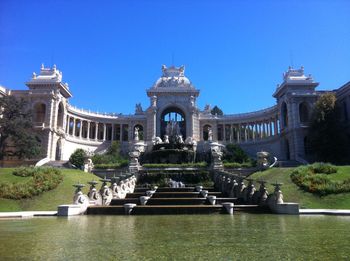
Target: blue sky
{"points": [[234, 51]]}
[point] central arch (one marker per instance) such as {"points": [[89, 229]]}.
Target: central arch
{"points": [[175, 115]]}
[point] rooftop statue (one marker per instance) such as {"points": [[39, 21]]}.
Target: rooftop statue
{"points": [[138, 108]]}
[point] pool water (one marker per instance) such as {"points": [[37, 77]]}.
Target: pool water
{"points": [[181, 237]]}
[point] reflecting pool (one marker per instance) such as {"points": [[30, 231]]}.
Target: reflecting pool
{"points": [[182, 237]]}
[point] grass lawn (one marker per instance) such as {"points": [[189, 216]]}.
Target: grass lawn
{"points": [[292, 193], [49, 200]]}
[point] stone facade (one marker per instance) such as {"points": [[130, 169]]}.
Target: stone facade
{"points": [[280, 129]]}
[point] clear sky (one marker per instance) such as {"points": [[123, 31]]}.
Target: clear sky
{"points": [[234, 51]]}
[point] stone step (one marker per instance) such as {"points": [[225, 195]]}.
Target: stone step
{"points": [[172, 209], [168, 189], [183, 194], [121, 202], [171, 201]]}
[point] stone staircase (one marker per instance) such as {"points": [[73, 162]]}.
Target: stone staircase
{"points": [[172, 201], [57, 163]]}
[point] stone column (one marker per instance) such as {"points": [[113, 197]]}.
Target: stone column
{"points": [[67, 124], [96, 130], [74, 122], [104, 131], [81, 128], [88, 130], [231, 133]]}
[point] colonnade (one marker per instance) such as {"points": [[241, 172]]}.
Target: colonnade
{"points": [[245, 131], [94, 130]]}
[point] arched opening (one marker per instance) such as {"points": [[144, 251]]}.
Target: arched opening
{"points": [[77, 127], [284, 115], [92, 130], [60, 115], [84, 130], [173, 122], [139, 128], [303, 112], [58, 150], [206, 129], [39, 113], [71, 126], [100, 131]]}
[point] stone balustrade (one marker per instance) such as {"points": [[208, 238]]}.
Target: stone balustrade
{"points": [[234, 186]]}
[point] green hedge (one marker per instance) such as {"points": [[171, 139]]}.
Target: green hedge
{"points": [[160, 179], [235, 165], [41, 179], [316, 179], [121, 164], [170, 165]]}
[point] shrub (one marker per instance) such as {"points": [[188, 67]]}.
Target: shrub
{"points": [[41, 179], [24, 171], [77, 158], [111, 157], [234, 153], [315, 179]]}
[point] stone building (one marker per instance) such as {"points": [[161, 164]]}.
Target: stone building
{"points": [[280, 129]]}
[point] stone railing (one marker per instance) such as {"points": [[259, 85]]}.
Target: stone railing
{"points": [[118, 189], [234, 186]]}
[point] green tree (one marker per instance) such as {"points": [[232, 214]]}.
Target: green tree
{"points": [[217, 111], [16, 129], [77, 158], [234, 153], [328, 139]]}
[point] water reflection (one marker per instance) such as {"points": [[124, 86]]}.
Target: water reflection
{"points": [[240, 236]]}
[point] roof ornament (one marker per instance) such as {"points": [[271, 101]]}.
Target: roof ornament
{"points": [[42, 66]]}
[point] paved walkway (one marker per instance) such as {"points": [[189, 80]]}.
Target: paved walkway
{"points": [[27, 214], [336, 212]]}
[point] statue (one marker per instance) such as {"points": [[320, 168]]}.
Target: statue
{"points": [[168, 129], [164, 69], [210, 134], [177, 128], [179, 139], [138, 108], [190, 141], [93, 194], [154, 101], [157, 140], [207, 109], [166, 139], [192, 100], [88, 165], [136, 134], [182, 70]]}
